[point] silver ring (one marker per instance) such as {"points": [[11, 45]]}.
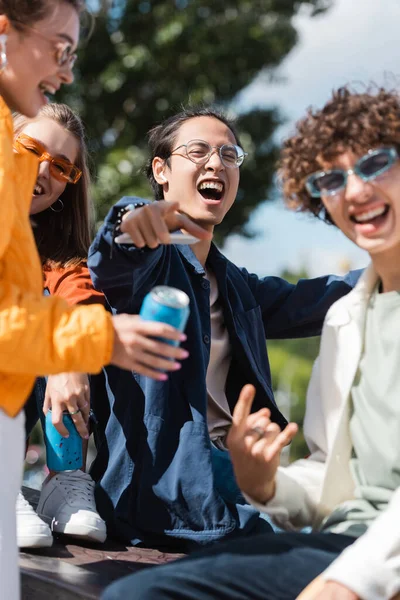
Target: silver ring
{"points": [[259, 431], [75, 412]]}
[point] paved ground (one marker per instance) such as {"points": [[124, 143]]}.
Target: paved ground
{"points": [[73, 571]]}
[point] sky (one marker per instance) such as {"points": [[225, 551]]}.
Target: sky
{"points": [[356, 41]]}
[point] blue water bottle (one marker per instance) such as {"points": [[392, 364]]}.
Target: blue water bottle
{"points": [[62, 454], [166, 305]]}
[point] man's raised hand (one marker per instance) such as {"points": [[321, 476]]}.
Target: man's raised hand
{"points": [[151, 224], [255, 444]]}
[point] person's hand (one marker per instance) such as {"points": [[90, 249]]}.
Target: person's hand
{"points": [[70, 392], [335, 591], [151, 224], [135, 348], [319, 589], [255, 445]]}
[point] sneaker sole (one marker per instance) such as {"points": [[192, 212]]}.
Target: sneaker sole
{"points": [[34, 541], [81, 532]]}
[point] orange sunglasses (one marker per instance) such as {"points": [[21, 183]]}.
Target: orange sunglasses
{"points": [[60, 169]]}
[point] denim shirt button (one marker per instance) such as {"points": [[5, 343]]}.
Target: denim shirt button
{"points": [[206, 338], [205, 284]]}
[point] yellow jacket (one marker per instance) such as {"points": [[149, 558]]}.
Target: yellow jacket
{"points": [[38, 335]]}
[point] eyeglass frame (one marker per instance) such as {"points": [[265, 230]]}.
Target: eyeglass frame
{"points": [[69, 58], [391, 152], [45, 156], [208, 156]]}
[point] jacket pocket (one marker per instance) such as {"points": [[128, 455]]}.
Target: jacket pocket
{"points": [[176, 495]]}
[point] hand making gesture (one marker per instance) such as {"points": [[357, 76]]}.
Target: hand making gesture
{"points": [[255, 444]]}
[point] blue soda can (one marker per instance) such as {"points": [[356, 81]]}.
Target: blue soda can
{"points": [[166, 305], [63, 454]]}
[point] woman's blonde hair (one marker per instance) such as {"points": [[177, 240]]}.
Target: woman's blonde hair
{"points": [[63, 238]]}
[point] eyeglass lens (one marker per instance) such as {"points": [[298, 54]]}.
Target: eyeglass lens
{"points": [[371, 165], [61, 170], [64, 55], [330, 182], [199, 151]]}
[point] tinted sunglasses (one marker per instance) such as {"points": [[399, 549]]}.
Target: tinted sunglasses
{"points": [[60, 168], [368, 167]]}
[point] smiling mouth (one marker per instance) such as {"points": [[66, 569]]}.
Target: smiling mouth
{"points": [[46, 88], [38, 190], [211, 190], [370, 216]]}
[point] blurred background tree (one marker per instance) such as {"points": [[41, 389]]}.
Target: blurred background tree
{"points": [[148, 57], [291, 363]]}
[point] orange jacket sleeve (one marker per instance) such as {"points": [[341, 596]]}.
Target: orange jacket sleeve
{"points": [[43, 335]]}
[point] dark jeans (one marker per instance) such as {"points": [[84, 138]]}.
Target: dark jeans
{"points": [[34, 406], [264, 567]]}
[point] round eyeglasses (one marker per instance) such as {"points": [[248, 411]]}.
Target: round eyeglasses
{"points": [[63, 50], [60, 168], [199, 152], [368, 167]]}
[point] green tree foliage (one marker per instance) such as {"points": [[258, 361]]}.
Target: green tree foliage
{"points": [[291, 363], [148, 57]]}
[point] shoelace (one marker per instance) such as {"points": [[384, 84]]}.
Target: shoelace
{"points": [[78, 487]]}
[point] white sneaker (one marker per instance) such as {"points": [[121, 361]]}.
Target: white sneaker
{"points": [[67, 504], [32, 532]]}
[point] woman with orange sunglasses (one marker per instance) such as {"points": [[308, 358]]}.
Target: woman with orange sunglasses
{"points": [[61, 212]]}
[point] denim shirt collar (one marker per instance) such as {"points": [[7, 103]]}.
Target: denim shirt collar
{"points": [[215, 259], [190, 257]]}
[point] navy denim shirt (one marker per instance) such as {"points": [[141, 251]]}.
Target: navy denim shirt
{"points": [[153, 467]]}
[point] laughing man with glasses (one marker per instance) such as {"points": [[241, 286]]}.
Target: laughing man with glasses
{"points": [[165, 475]]}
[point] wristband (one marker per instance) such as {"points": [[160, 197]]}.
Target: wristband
{"points": [[120, 215]]}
